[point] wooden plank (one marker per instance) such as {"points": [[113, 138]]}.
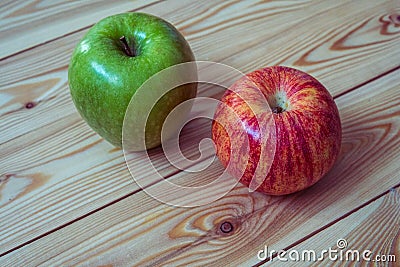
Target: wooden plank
{"points": [[375, 227], [25, 24], [330, 48], [384, 58], [34, 176], [49, 66], [150, 233]]}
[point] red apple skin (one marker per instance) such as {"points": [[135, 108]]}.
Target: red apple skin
{"points": [[308, 129]]}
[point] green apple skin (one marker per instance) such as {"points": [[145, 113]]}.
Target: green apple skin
{"points": [[103, 77]]}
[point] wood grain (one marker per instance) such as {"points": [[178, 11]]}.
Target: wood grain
{"points": [[152, 233], [25, 24], [381, 52], [375, 227], [41, 132]]}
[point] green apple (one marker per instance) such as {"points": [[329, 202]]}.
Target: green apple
{"points": [[113, 60]]}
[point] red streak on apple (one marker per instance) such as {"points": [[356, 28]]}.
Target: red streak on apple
{"points": [[306, 133]]}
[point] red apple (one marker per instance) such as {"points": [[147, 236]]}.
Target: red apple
{"points": [[292, 125]]}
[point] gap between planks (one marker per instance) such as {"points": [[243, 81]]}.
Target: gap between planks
{"points": [[178, 171], [71, 33], [344, 216], [126, 196]]}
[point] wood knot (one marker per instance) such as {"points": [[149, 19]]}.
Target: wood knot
{"points": [[226, 227], [30, 105]]}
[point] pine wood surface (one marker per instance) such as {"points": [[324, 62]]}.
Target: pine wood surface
{"points": [[379, 221], [67, 197]]}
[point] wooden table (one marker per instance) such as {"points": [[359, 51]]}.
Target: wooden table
{"points": [[67, 197]]}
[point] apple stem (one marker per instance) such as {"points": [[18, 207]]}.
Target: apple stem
{"points": [[127, 49], [277, 109]]}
